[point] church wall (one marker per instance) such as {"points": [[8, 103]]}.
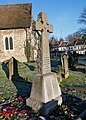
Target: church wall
{"points": [[19, 37]]}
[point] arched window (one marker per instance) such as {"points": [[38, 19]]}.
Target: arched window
{"points": [[11, 43], [6, 43]]}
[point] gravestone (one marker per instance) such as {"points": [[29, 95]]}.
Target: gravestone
{"points": [[46, 93], [58, 73], [61, 60], [13, 70], [65, 65], [10, 66]]}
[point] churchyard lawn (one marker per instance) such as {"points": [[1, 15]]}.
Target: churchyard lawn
{"points": [[75, 84], [14, 93]]}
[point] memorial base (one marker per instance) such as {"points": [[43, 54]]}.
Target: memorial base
{"points": [[45, 94], [43, 108]]}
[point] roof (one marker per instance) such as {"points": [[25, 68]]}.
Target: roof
{"points": [[79, 43], [71, 43], [63, 44], [15, 16]]}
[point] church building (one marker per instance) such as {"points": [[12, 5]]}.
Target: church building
{"points": [[16, 31]]}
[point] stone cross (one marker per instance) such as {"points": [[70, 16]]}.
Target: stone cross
{"points": [[43, 28], [45, 87]]}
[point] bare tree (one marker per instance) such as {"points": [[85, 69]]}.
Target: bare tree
{"points": [[82, 18]]}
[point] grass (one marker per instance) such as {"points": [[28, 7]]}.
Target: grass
{"points": [[27, 70], [9, 89], [75, 79], [6, 86]]}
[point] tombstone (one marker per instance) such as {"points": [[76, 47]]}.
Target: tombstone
{"points": [[65, 65], [58, 73], [61, 60], [46, 93], [12, 65]]}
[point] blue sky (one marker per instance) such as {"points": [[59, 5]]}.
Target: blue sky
{"points": [[62, 14]]}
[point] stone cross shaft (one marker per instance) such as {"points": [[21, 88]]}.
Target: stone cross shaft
{"points": [[43, 29]]}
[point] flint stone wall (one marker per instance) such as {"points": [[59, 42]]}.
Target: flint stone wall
{"points": [[19, 38]]}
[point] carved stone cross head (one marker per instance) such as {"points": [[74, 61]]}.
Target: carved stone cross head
{"points": [[42, 23]]}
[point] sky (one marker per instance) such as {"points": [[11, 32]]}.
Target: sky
{"points": [[62, 14]]}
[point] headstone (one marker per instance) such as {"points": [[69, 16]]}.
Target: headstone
{"points": [[46, 93], [12, 65], [61, 60], [59, 76], [65, 66]]}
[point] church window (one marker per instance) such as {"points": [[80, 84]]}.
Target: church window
{"points": [[11, 43], [8, 43]]}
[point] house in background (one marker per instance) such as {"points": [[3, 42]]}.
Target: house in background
{"points": [[70, 46], [63, 46], [75, 46], [54, 51], [53, 44], [80, 47], [15, 30]]}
